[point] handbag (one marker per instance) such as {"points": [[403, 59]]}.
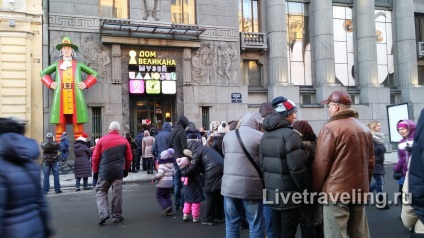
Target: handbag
{"points": [[250, 158]]}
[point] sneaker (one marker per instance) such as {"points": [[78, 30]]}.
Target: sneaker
{"points": [[167, 211], [219, 220], [209, 223], [196, 219], [185, 217], [103, 220], [118, 220], [77, 189]]}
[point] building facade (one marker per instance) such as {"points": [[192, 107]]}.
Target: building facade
{"points": [[216, 60], [20, 63]]}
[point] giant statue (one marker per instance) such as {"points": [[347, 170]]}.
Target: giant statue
{"points": [[68, 105]]}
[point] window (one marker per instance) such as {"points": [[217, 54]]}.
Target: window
{"points": [[183, 11], [420, 74], [114, 8], [252, 73], [419, 27], [249, 15], [96, 118], [205, 117], [298, 47]]}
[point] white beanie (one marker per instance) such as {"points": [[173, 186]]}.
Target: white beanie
{"points": [[114, 126], [223, 127]]}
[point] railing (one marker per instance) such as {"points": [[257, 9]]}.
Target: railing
{"points": [[253, 40]]}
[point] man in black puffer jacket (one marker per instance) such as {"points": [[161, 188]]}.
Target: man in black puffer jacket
{"points": [[284, 163], [211, 165], [178, 141], [51, 163]]}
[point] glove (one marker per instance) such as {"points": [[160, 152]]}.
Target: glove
{"points": [[408, 148], [397, 175], [125, 173], [96, 176]]}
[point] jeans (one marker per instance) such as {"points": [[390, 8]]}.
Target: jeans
{"points": [[178, 187], [378, 183], [84, 182], [233, 208], [268, 220], [64, 155], [54, 167]]}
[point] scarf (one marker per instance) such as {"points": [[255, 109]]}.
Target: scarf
{"points": [[378, 137], [67, 63]]}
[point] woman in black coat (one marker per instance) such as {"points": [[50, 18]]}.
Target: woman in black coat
{"points": [[82, 164], [211, 164], [379, 151]]}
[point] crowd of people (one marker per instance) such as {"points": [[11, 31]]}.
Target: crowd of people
{"points": [[243, 170]]}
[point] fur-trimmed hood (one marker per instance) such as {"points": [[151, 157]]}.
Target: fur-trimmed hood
{"points": [[344, 114]]}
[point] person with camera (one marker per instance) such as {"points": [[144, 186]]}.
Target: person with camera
{"points": [[406, 128]]}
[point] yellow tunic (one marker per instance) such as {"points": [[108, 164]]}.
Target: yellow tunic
{"points": [[68, 91]]}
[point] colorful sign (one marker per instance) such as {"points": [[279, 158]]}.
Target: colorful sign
{"points": [[169, 87], [137, 86], [152, 86], [144, 66]]}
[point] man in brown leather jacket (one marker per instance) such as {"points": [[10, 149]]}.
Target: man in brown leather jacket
{"points": [[342, 168]]}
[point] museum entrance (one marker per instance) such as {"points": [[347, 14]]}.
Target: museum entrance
{"points": [[150, 111]]}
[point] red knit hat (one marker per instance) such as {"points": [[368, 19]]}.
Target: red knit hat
{"points": [[84, 135]]}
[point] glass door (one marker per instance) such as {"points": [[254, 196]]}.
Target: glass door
{"points": [[150, 112]]}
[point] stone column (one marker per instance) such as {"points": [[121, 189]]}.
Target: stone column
{"points": [[322, 46], [276, 25], [114, 110], [277, 41], [187, 66], [366, 73], [406, 55]]}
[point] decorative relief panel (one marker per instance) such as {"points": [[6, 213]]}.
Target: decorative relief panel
{"points": [[74, 23], [215, 63], [226, 34]]}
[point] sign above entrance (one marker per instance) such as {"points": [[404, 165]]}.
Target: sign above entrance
{"points": [[145, 67]]}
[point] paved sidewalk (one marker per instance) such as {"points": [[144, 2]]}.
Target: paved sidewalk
{"points": [[67, 181]]}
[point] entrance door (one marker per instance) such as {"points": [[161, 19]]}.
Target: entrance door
{"points": [[147, 112]]}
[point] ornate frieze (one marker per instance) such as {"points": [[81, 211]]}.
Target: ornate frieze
{"points": [[223, 34], [74, 23]]}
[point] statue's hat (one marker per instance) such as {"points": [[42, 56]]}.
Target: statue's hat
{"points": [[66, 41]]}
